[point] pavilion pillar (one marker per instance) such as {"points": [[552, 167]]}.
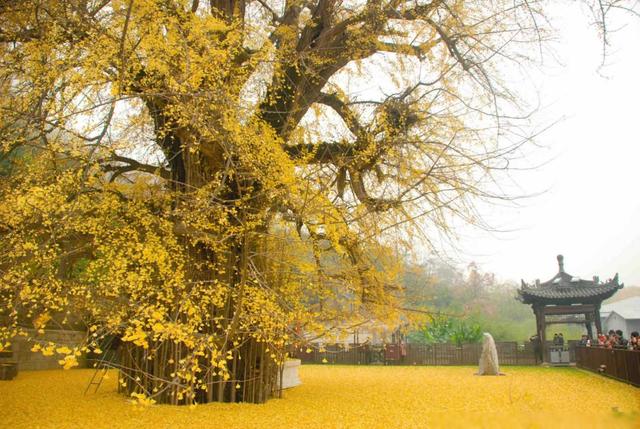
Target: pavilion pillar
{"points": [[541, 330], [543, 336], [596, 315], [588, 318]]}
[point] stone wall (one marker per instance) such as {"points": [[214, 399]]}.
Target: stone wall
{"points": [[28, 360]]}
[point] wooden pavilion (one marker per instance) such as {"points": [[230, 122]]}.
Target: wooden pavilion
{"points": [[565, 298]]}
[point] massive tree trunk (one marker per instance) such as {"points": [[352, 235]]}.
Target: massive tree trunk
{"points": [[251, 367], [252, 371], [251, 375]]}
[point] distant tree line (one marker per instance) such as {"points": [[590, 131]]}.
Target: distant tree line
{"points": [[465, 303]]}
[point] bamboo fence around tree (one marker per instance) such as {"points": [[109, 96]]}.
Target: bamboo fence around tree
{"points": [[156, 372]]}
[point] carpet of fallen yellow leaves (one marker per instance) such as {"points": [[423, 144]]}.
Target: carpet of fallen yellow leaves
{"points": [[343, 397]]}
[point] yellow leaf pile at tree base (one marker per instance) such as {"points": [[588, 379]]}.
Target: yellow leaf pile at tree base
{"points": [[344, 397]]}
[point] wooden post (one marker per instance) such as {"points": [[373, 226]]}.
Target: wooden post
{"points": [[542, 332], [539, 331], [589, 319]]}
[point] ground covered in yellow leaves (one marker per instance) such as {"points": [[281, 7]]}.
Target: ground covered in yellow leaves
{"points": [[343, 397]]}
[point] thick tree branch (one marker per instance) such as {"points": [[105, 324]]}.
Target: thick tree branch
{"points": [[338, 153], [25, 35], [360, 191], [341, 108], [418, 12], [133, 165]]}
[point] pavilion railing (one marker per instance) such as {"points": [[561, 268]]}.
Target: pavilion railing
{"points": [[621, 364], [509, 353]]}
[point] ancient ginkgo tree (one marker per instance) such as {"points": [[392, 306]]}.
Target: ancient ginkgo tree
{"points": [[206, 180]]}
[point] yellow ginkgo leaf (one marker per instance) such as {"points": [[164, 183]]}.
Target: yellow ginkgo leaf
{"points": [[68, 362], [64, 350]]}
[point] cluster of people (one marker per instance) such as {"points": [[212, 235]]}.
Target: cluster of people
{"points": [[558, 340], [634, 342], [614, 339]]}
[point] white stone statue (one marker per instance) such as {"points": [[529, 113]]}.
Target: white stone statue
{"points": [[488, 357]]}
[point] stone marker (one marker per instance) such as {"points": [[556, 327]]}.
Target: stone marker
{"points": [[488, 357], [290, 376]]}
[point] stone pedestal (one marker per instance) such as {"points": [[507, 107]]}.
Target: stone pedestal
{"points": [[290, 376]]}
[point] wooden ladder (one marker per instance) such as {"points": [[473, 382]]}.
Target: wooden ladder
{"points": [[102, 365], [98, 376]]}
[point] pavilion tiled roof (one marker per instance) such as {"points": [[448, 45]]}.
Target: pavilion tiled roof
{"points": [[564, 288]]}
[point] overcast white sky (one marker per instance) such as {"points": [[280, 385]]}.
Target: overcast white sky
{"points": [[591, 211]]}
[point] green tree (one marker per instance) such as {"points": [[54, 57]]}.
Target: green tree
{"points": [[443, 329]]}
